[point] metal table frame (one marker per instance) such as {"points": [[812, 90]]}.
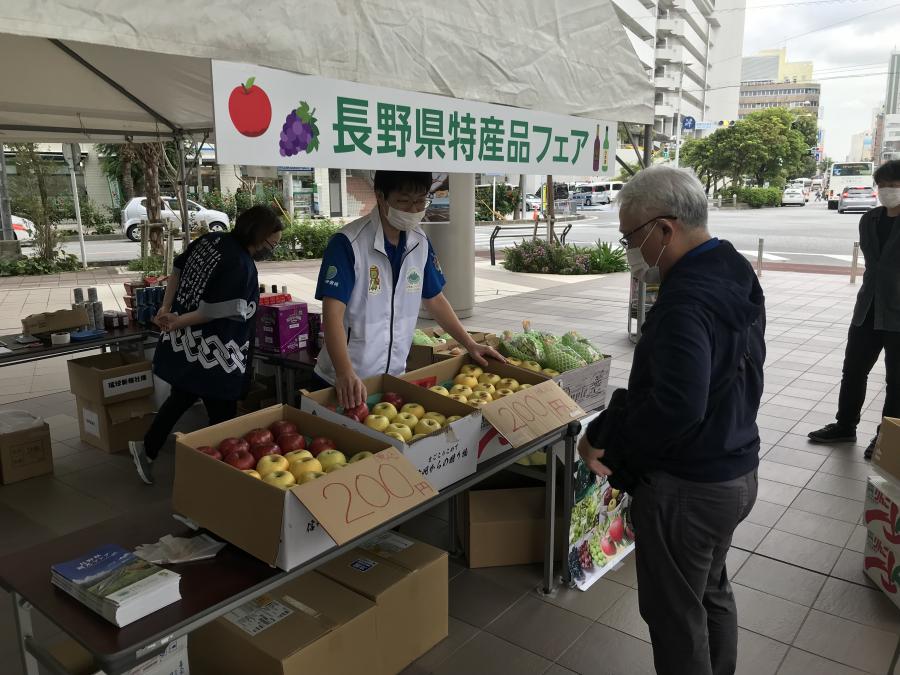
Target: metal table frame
{"points": [[33, 653], [114, 338]]}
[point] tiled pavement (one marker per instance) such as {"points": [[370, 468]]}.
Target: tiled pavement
{"points": [[805, 607]]}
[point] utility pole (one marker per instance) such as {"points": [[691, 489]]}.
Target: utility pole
{"points": [[5, 212], [678, 115], [551, 213]]}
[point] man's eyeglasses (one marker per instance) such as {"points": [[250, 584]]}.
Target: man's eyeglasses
{"points": [[624, 240], [407, 204]]}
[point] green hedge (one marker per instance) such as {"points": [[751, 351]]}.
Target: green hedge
{"points": [[755, 197], [305, 239], [541, 257]]}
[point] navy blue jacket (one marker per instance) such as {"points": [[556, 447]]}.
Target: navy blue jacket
{"points": [[697, 374]]}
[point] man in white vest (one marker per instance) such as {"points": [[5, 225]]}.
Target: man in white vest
{"points": [[376, 273]]}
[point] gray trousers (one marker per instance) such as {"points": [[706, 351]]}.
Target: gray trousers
{"points": [[683, 532]]}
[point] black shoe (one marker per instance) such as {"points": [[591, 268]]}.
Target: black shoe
{"points": [[142, 463], [832, 433], [870, 449]]}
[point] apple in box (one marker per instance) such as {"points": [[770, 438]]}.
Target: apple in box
{"points": [[291, 441], [393, 398], [282, 427], [263, 449], [211, 451], [319, 444], [359, 413], [230, 445], [259, 437], [241, 459]]}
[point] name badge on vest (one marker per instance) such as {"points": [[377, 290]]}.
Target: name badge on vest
{"points": [[374, 280], [413, 281]]}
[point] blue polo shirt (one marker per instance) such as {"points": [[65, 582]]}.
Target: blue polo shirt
{"points": [[339, 256]]}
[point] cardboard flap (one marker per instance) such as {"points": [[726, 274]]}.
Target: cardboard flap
{"points": [[129, 410], [886, 458], [362, 495], [532, 413]]}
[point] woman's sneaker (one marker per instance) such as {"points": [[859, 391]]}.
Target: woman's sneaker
{"points": [[833, 433], [142, 463]]}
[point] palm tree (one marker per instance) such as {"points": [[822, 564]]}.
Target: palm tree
{"points": [[119, 162]]}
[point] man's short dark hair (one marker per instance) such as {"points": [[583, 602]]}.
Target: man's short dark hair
{"points": [[256, 224], [387, 182], [889, 172]]}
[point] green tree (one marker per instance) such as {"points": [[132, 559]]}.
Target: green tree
{"points": [[119, 161], [32, 197]]}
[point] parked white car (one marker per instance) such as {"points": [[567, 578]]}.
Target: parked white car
{"points": [[793, 195], [23, 229], [136, 210], [590, 194]]}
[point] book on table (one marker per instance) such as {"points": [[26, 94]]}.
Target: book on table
{"points": [[116, 584]]}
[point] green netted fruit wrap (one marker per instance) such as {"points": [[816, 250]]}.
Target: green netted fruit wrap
{"points": [[508, 348], [529, 343], [582, 347], [419, 338], [560, 357]]}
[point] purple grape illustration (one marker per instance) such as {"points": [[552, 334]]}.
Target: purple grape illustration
{"points": [[299, 131]]}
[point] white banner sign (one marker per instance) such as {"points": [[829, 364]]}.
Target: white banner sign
{"points": [[276, 118]]}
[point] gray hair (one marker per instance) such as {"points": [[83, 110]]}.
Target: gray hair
{"points": [[663, 190]]}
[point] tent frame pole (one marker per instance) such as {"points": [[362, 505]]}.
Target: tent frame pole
{"points": [[182, 192]]}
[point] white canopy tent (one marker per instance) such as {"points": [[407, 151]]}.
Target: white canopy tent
{"points": [[106, 70]]}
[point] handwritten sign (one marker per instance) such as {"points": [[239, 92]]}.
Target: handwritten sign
{"points": [[530, 414], [355, 499]]}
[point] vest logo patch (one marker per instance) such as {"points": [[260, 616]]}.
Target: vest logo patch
{"points": [[331, 272], [374, 280], [413, 280]]}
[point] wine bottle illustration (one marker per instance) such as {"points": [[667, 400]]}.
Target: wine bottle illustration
{"points": [[605, 166], [596, 165]]}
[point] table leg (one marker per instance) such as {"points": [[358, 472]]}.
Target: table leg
{"points": [[550, 518], [22, 610], [291, 384], [569, 491], [453, 547], [279, 383]]}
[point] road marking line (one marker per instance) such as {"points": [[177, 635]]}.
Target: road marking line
{"points": [[766, 256]]}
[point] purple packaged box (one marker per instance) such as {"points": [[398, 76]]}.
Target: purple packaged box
{"points": [[282, 328]]}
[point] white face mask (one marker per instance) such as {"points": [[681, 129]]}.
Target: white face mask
{"points": [[404, 220], [640, 268], [889, 196]]}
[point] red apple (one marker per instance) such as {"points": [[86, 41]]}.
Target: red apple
{"points": [[250, 109], [211, 451], [282, 427], [241, 459], [262, 449], [230, 445], [393, 398], [359, 413], [617, 529], [291, 441], [607, 546], [258, 437], [319, 444]]}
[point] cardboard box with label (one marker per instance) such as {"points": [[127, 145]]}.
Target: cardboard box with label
{"points": [[511, 421], [443, 457], [882, 509], [309, 626], [288, 527], [25, 447], [111, 377], [881, 562], [78, 661], [282, 328], [110, 427], [54, 322], [424, 355], [887, 450], [407, 581]]}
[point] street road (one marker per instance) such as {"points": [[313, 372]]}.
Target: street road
{"points": [[810, 234]]}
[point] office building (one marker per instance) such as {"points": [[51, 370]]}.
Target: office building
{"points": [[892, 97], [769, 80], [861, 147]]}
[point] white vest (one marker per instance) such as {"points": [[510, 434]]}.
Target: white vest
{"points": [[380, 318]]}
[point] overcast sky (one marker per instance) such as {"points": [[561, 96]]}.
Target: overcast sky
{"points": [[850, 59]]}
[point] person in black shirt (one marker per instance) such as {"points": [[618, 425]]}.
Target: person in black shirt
{"points": [[207, 323], [876, 318]]}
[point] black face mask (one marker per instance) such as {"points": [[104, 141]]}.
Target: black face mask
{"points": [[265, 253]]}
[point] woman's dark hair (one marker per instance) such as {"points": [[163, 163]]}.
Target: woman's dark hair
{"points": [[256, 224], [387, 182], [889, 172]]}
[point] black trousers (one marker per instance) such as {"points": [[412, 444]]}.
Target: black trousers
{"points": [[864, 346], [171, 411], [683, 532]]}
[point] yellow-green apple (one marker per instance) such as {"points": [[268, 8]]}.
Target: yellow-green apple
{"points": [[453, 418], [438, 389], [427, 426], [488, 378], [550, 372], [508, 383], [416, 437], [414, 409], [489, 388], [408, 419], [306, 465], [532, 365], [331, 468], [252, 473], [524, 386], [384, 409], [404, 431], [461, 389], [500, 393], [465, 380], [460, 398], [538, 458], [270, 463], [513, 362], [359, 456], [331, 458], [298, 454], [481, 396], [436, 416], [310, 476], [396, 435], [474, 371], [378, 422], [280, 479], [478, 403]]}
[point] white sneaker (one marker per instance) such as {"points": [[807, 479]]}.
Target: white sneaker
{"points": [[142, 463]]}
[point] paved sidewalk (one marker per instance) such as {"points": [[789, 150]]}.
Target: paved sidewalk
{"points": [[805, 607]]}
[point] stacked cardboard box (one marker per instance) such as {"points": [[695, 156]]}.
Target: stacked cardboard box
{"points": [[882, 513], [282, 328], [114, 396], [25, 449], [371, 611]]}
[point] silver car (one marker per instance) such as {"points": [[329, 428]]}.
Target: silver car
{"points": [[857, 199]]}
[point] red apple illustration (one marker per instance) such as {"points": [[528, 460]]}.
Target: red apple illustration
{"points": [[250, 109]]}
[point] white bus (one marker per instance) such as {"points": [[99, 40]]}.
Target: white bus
{"points": [[846, 175]]}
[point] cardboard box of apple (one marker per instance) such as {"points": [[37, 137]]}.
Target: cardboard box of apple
{"points": [[281, 455]]}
